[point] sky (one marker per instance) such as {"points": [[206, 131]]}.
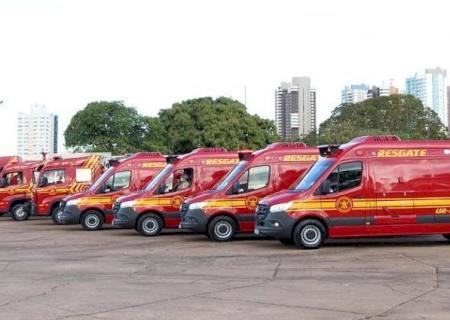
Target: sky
{"points": [[151, 54]]}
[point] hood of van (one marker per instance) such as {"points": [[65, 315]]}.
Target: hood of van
{"points": [[282, 197], [134, 196], [78, 195], [203, 196]]}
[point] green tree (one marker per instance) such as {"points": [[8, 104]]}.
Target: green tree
{"points": [[401, 115], [221, 122], [107, 127]]}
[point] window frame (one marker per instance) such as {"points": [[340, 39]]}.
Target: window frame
{"points": [[113, 176], [230, 189], [317, 191], [52, 184]]}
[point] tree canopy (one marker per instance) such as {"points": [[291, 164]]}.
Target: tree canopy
{"points": [[106, 127], [204, 122], [401, 115]]}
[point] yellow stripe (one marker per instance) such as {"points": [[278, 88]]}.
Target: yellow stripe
{"points": [[154, 201]]}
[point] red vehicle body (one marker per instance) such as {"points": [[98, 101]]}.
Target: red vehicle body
{"points": [[93, 207], [8, 160], [230, 206], [371, 186], [17, 185], [158, 206]]}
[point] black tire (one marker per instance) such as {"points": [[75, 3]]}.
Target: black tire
{"points": [[221, 229], [309, 234], [92, 220], [446, 236], [149, 224], [286, 241], [20, 212], [1, 214], [55, 212]]}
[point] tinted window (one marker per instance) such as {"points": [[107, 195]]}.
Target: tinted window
{"points": [[179, 180], [118, 181], [230, 176], [253, 179], [313, 174], [52, 177], [12, 179], [344, 177]]}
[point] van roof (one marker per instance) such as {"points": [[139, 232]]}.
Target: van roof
{"points": [[199, 155], [87, 161], [278, 148], [137, 157], [374, 146]]}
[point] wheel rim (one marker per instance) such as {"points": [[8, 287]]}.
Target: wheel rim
{"points": [[223, 229], [311, 235], [58, 215], [20, 213], [150, 225], [92, 221]]}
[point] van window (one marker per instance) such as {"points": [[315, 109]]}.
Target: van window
{"points": [[118, 181], [313, 174], [12, 179], [179, 180], [52, 177], [343, 177], [253, 179]]}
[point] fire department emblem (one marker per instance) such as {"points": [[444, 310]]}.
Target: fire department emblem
{"points": [[344, 204], [251, 202], [176, 201]]}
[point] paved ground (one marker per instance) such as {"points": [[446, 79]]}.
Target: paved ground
{"points": [[62, 272]]}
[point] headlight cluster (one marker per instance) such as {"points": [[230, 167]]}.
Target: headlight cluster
{"points": [[73, 202], [280, 207], [127, 204], [197, 205]]}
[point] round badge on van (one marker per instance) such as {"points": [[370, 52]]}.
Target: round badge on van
{"points": [[344, 204], [251, 202]]}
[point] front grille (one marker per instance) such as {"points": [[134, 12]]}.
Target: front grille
{"points": [[62, 204], [116, 207], [261, 213], [184, 208]]}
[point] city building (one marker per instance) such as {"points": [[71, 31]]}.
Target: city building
{"points": [[354, 93], [386, 89], [430, 88], [37, 132], [295, 108]]}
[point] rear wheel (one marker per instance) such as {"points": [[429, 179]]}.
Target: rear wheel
{"points": [[149, 225], [309, 234], [446, 236], [92, 220], [56, 212], [1, 213], [20, 212], [222, 228]]}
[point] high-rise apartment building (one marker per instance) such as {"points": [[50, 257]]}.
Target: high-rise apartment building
{"points": [[430, 88], [354, 93], [37, 132], [295, 108]]}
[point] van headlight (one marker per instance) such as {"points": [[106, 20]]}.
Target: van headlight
{"points": [[127, 204], [280, 207], [197, 205], [73, 202]]}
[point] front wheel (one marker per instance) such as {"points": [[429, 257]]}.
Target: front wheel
{"points": [[446, 236], [92, 221], [309, 234], [20, 212], [56, 212], [149, 225], [222, 229]]}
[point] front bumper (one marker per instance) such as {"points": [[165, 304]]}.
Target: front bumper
{"points": [[276, 225], [70, 215], [194, 220], [125, 218]]}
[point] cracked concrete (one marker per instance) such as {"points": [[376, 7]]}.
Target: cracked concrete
{"points": [[61, 272]]}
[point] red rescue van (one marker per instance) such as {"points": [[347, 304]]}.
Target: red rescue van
{"points": [[371, 186], [93, 207], [16, 186], [230, 206], [158, 206]]}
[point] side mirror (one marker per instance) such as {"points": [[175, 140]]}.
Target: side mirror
{"points": [[235, 188], [105, 189], [162, 188], [324, 188]]}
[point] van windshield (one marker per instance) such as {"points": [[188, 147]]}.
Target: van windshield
{"points": [[159, 177], [314, 174], [230, 176], [100, 179]]}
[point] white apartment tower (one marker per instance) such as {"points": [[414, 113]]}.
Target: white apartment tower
{"points": [[430, 88], [295, 108], [37, 132]]}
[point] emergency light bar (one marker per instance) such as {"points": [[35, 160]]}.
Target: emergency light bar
{"points": [[171, 159], [245, 155], [209, 150], [329, 149], [290, 145]]}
